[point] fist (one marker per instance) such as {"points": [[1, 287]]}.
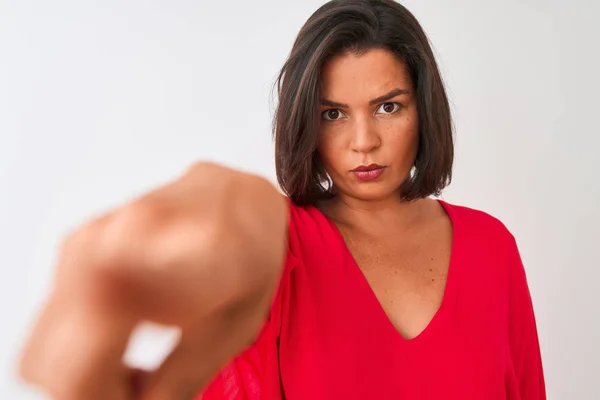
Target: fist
{"points": [[202, 253]]}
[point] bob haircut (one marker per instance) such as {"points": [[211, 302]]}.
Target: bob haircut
{"points": [[357, 26]]}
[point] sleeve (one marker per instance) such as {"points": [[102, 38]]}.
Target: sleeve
{"points": [[254, 374], [523, 336]]}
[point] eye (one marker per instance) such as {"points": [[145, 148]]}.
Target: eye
{"points": [[388, 108], [332, 114]]}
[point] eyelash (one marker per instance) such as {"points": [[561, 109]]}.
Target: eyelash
{"points": [[397, 105]]}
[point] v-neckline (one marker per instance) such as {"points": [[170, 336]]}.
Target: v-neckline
{"points": [[378, 307]]}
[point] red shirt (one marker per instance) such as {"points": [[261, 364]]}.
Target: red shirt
{"points": [[328, 337]]}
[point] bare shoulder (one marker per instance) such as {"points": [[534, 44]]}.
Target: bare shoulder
{"points": [[435, 220]]}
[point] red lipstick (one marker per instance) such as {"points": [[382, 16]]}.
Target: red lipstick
{"points": [[367, 173]]}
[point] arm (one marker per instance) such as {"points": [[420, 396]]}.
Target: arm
{"points": [[255, 374], [203, 253], [524, 344]]}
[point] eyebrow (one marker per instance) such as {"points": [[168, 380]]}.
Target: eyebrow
{"points": [[380, 99]]}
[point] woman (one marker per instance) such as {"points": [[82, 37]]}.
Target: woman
{"points": [[384, 292]]}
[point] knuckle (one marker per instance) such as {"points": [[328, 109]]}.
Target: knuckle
{"points": [[126, 230], [76, 239], [77, 245], [136, 219], [201, 166], [85, 235], [103, 245]]}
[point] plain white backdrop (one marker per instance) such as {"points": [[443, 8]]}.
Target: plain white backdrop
{"points": [[100, 101]]}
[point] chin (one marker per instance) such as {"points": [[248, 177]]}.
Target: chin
{"points": [[374, 192]]}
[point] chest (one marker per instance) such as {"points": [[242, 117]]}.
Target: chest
{"points": [[407, 273], [353, 302]]}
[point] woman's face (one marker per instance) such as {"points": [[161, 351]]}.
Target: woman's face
{"points": [[368, 119]]}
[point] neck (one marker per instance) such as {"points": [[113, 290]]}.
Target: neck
{"points": [[377, 216]]}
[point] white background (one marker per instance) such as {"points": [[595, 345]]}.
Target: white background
{"points": [[100, 101]]}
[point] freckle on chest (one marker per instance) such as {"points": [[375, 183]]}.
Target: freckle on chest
{"points": [[407, 275]]}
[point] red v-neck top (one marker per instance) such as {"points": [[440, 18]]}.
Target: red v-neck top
{"points": [[328, 337]]}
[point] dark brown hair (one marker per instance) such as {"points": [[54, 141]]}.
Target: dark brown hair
{"points": [[356, 26]]}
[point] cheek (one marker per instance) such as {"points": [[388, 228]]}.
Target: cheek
{"points": [[404, 135], [402, 144], [326, 149], [411, 122]]}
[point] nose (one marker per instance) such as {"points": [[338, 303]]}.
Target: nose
{"points": [[365, 137]]}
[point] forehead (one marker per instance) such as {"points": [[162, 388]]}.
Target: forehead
{"points": [[351, 76]]}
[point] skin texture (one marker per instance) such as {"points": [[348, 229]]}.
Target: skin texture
{"points": [[202, 253], [402, 248]]}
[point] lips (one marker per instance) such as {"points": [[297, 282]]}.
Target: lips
{"points": [[364, 168], [366, 173]]}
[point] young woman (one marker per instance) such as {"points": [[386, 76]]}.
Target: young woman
{"points": [[384, 293]]}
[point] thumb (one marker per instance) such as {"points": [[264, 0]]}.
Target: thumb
{"points": [[192, 365], [204, 348]]}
